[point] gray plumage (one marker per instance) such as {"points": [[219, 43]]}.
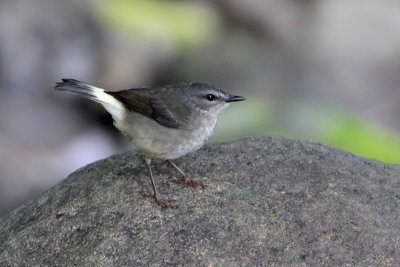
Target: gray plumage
{"points": [[164, 122]]}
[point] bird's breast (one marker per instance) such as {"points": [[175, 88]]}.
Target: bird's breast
{"points": [[158, 141]]}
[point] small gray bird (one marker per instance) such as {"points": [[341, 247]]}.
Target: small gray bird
{"points": [[164, 122]]}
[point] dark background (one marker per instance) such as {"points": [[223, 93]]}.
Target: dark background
{"points": [[322, 70]]}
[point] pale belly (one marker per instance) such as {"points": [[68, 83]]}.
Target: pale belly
{"points": [[157, 141]]}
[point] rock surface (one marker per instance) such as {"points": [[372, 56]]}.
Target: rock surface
{"points": [[269, 200]]}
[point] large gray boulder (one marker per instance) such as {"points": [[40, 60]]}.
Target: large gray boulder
{"points": [[269, 200]]}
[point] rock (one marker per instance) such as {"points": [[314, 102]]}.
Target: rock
{"points": [[269, 200]]}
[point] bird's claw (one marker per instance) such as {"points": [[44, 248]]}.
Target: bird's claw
{"points": [[164, 203]]}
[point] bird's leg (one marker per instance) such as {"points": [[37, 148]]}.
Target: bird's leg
{"points": [[164, 203], [184, 179]]}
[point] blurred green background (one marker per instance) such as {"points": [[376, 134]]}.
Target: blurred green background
{"points": [[322, 70]]}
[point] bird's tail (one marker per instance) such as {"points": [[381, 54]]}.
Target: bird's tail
{"points": [[99, 95]]}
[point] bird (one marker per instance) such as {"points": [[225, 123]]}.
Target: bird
{"points": [[164, 122]]}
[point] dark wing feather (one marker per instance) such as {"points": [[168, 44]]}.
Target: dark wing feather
{"points": [[150, 103]]}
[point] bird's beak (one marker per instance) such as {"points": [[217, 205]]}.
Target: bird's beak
{"points": [[234, 98]]}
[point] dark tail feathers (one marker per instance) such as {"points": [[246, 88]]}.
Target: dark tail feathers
{"points": [[76, 87]]}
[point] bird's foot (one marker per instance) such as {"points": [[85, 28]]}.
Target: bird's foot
{"points": [[164, 203], [189, 182]]}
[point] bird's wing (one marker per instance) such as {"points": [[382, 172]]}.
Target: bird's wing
{"points": [[168, 112]]}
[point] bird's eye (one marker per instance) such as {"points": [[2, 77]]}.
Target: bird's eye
{"points": [[210, 97]]}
